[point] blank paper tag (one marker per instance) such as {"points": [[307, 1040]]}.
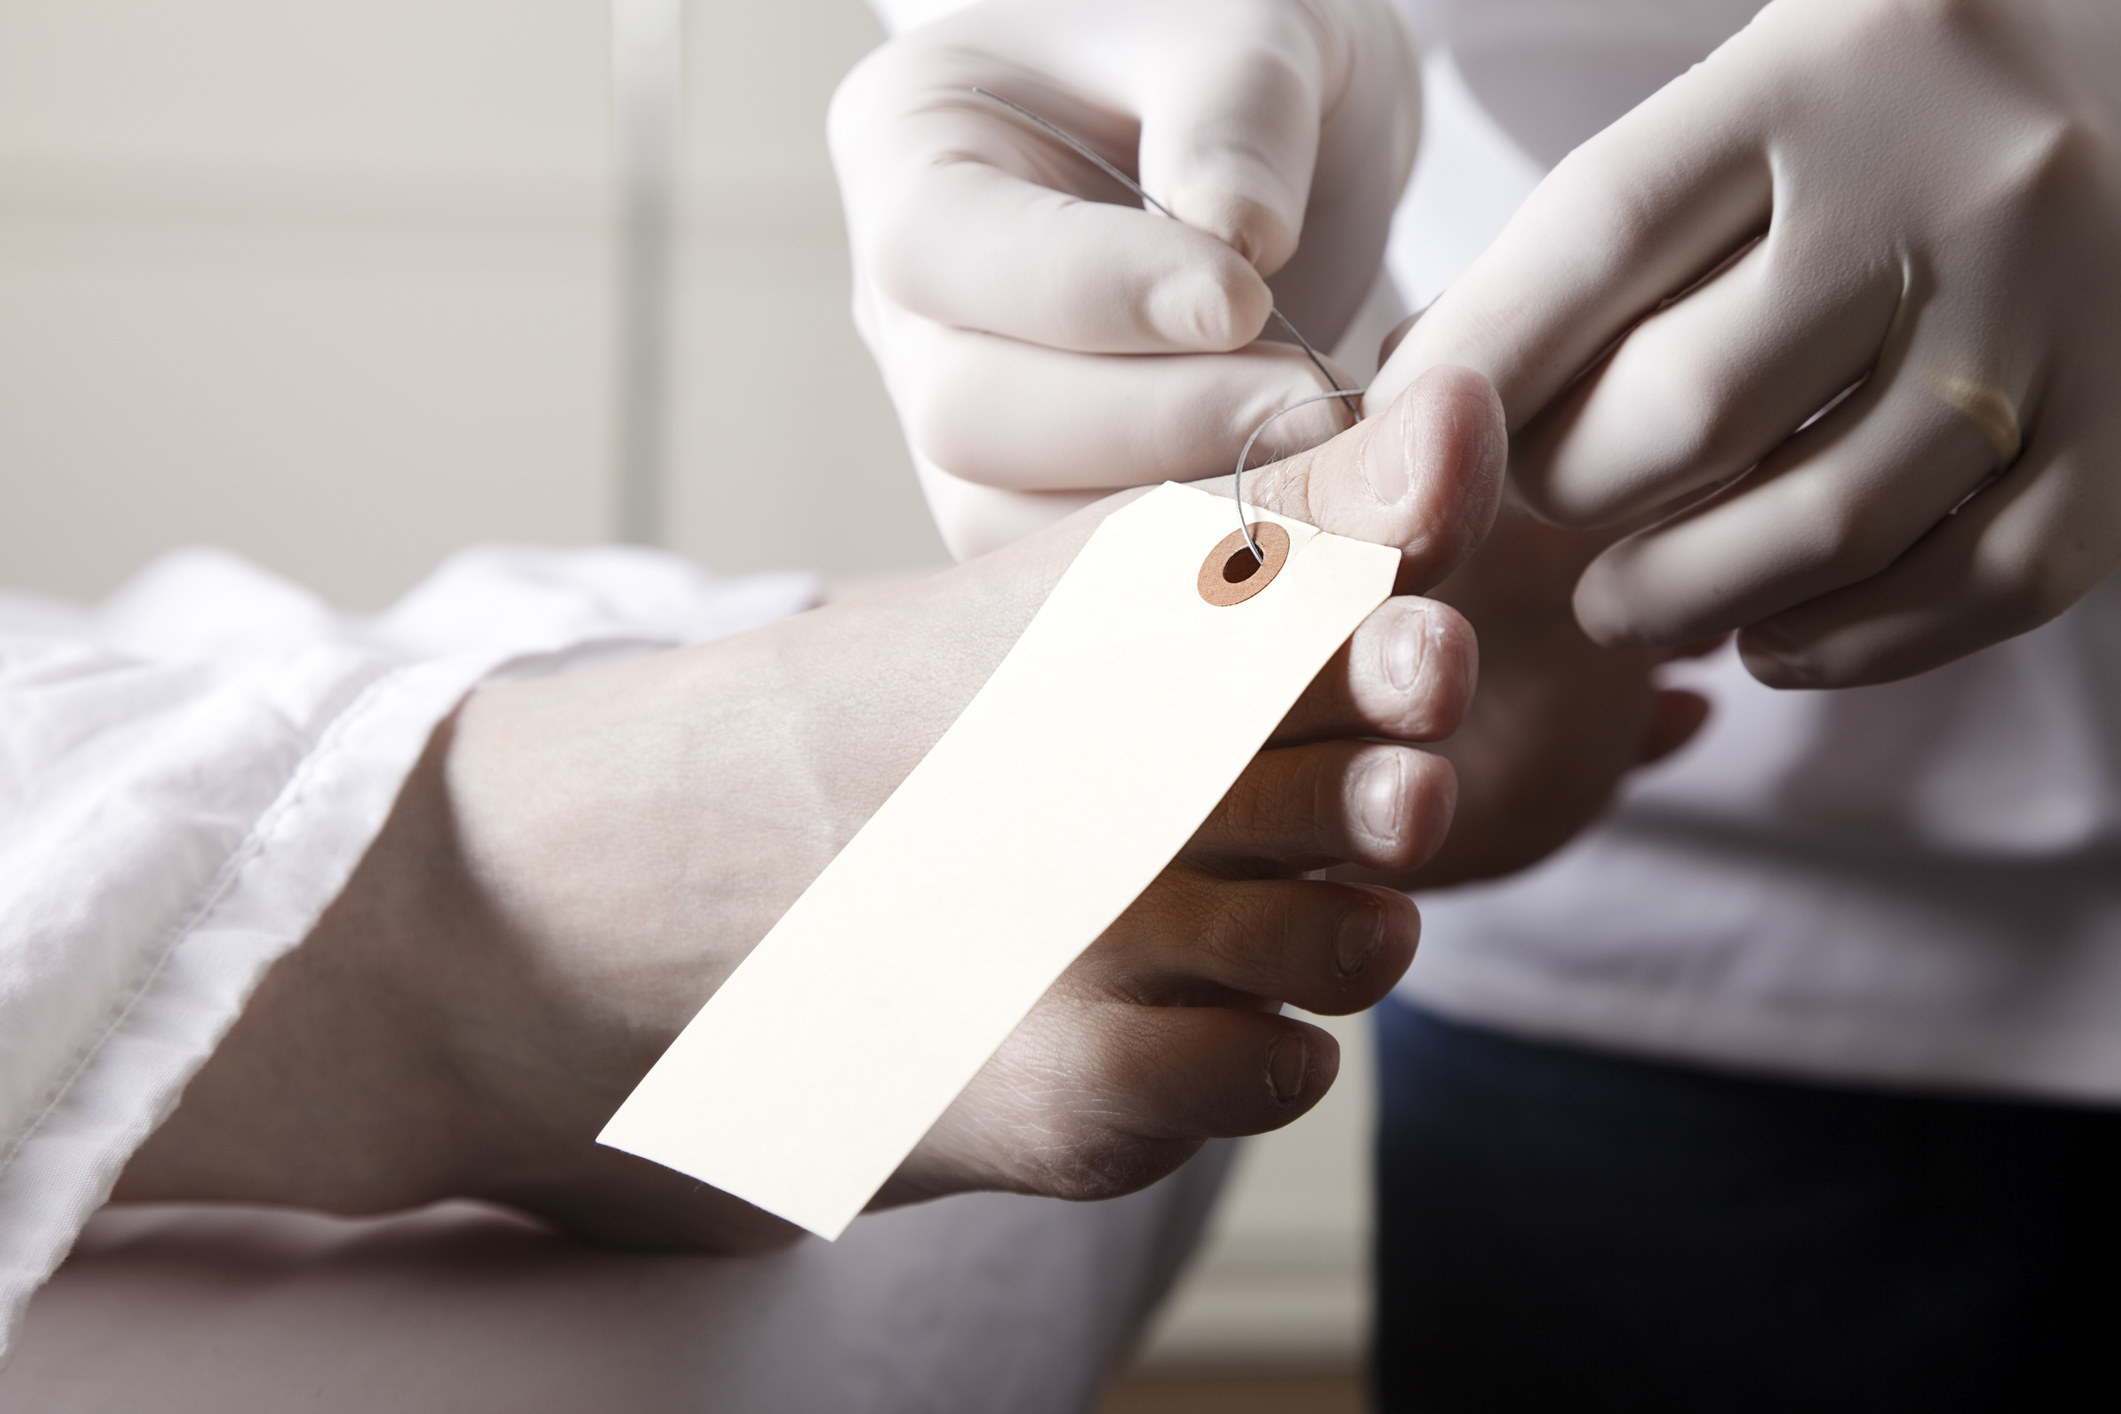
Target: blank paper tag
{"points": [[1107, 735]]}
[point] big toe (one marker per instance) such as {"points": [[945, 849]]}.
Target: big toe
{"points": [[1425, 475]]}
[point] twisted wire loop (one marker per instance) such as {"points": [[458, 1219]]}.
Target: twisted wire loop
{"points": [[1237, 481], [1347, 396]]}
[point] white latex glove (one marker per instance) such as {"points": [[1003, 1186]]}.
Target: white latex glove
{"points": [[1937, 189], [1040, 331]]}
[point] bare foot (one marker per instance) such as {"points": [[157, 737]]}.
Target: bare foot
{"points": [[579, 861]]}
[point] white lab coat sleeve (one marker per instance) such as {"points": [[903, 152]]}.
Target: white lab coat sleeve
{"points": [[187, 780]]}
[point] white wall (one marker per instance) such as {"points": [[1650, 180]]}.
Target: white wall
{"points": [[331, 284], [782, 426], [323, 283]]}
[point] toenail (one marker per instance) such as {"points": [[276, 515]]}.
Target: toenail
{"points": [[1287, 1060], [1384, 465], [1362, 933], [1408, 647], [1379, 790]]}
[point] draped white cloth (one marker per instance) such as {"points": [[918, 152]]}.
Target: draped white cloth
{"points": [[188, 775]]}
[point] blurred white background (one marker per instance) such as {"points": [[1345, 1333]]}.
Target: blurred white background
{"points": [[337, 286]]}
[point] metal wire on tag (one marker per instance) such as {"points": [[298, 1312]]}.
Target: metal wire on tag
{"points": [[1237, 479]]}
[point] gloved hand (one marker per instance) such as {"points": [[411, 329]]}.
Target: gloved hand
{"points": [[1038, 329], [1935, 193]]}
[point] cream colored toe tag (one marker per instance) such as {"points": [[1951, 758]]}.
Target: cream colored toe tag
{"points": [[1107, 735]]}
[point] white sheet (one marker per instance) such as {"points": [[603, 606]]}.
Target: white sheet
{"points": [[188, 775]]}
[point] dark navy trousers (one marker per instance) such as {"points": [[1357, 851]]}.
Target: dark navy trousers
{"points": [[1564, 1229]]}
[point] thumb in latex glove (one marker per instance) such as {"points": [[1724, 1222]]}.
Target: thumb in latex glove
{"points": [[1919, 202], [1038, 329]]}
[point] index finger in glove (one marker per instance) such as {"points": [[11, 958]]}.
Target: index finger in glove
{"points": [[966, 213], [1703, 390], [958, 216], [1625, 223]]}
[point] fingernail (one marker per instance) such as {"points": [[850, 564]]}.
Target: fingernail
{"points": [[1378, 809], [1288, 1058], [1384, 460], [1362, 933]]}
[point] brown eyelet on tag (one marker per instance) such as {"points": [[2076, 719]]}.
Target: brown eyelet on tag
{"points": [[1232, 574]]}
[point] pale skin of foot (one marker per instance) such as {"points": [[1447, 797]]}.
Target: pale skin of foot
{"points": [[579, 861], [1558, 721]]}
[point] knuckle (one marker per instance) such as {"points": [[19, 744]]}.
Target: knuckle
{"points": [[1236, 310], [1854, 535], [1864, 539], [1707, 428], [1716, 434], [2023, 585]]}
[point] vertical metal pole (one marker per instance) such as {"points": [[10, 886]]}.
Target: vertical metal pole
{"points": [[647, 73]]}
